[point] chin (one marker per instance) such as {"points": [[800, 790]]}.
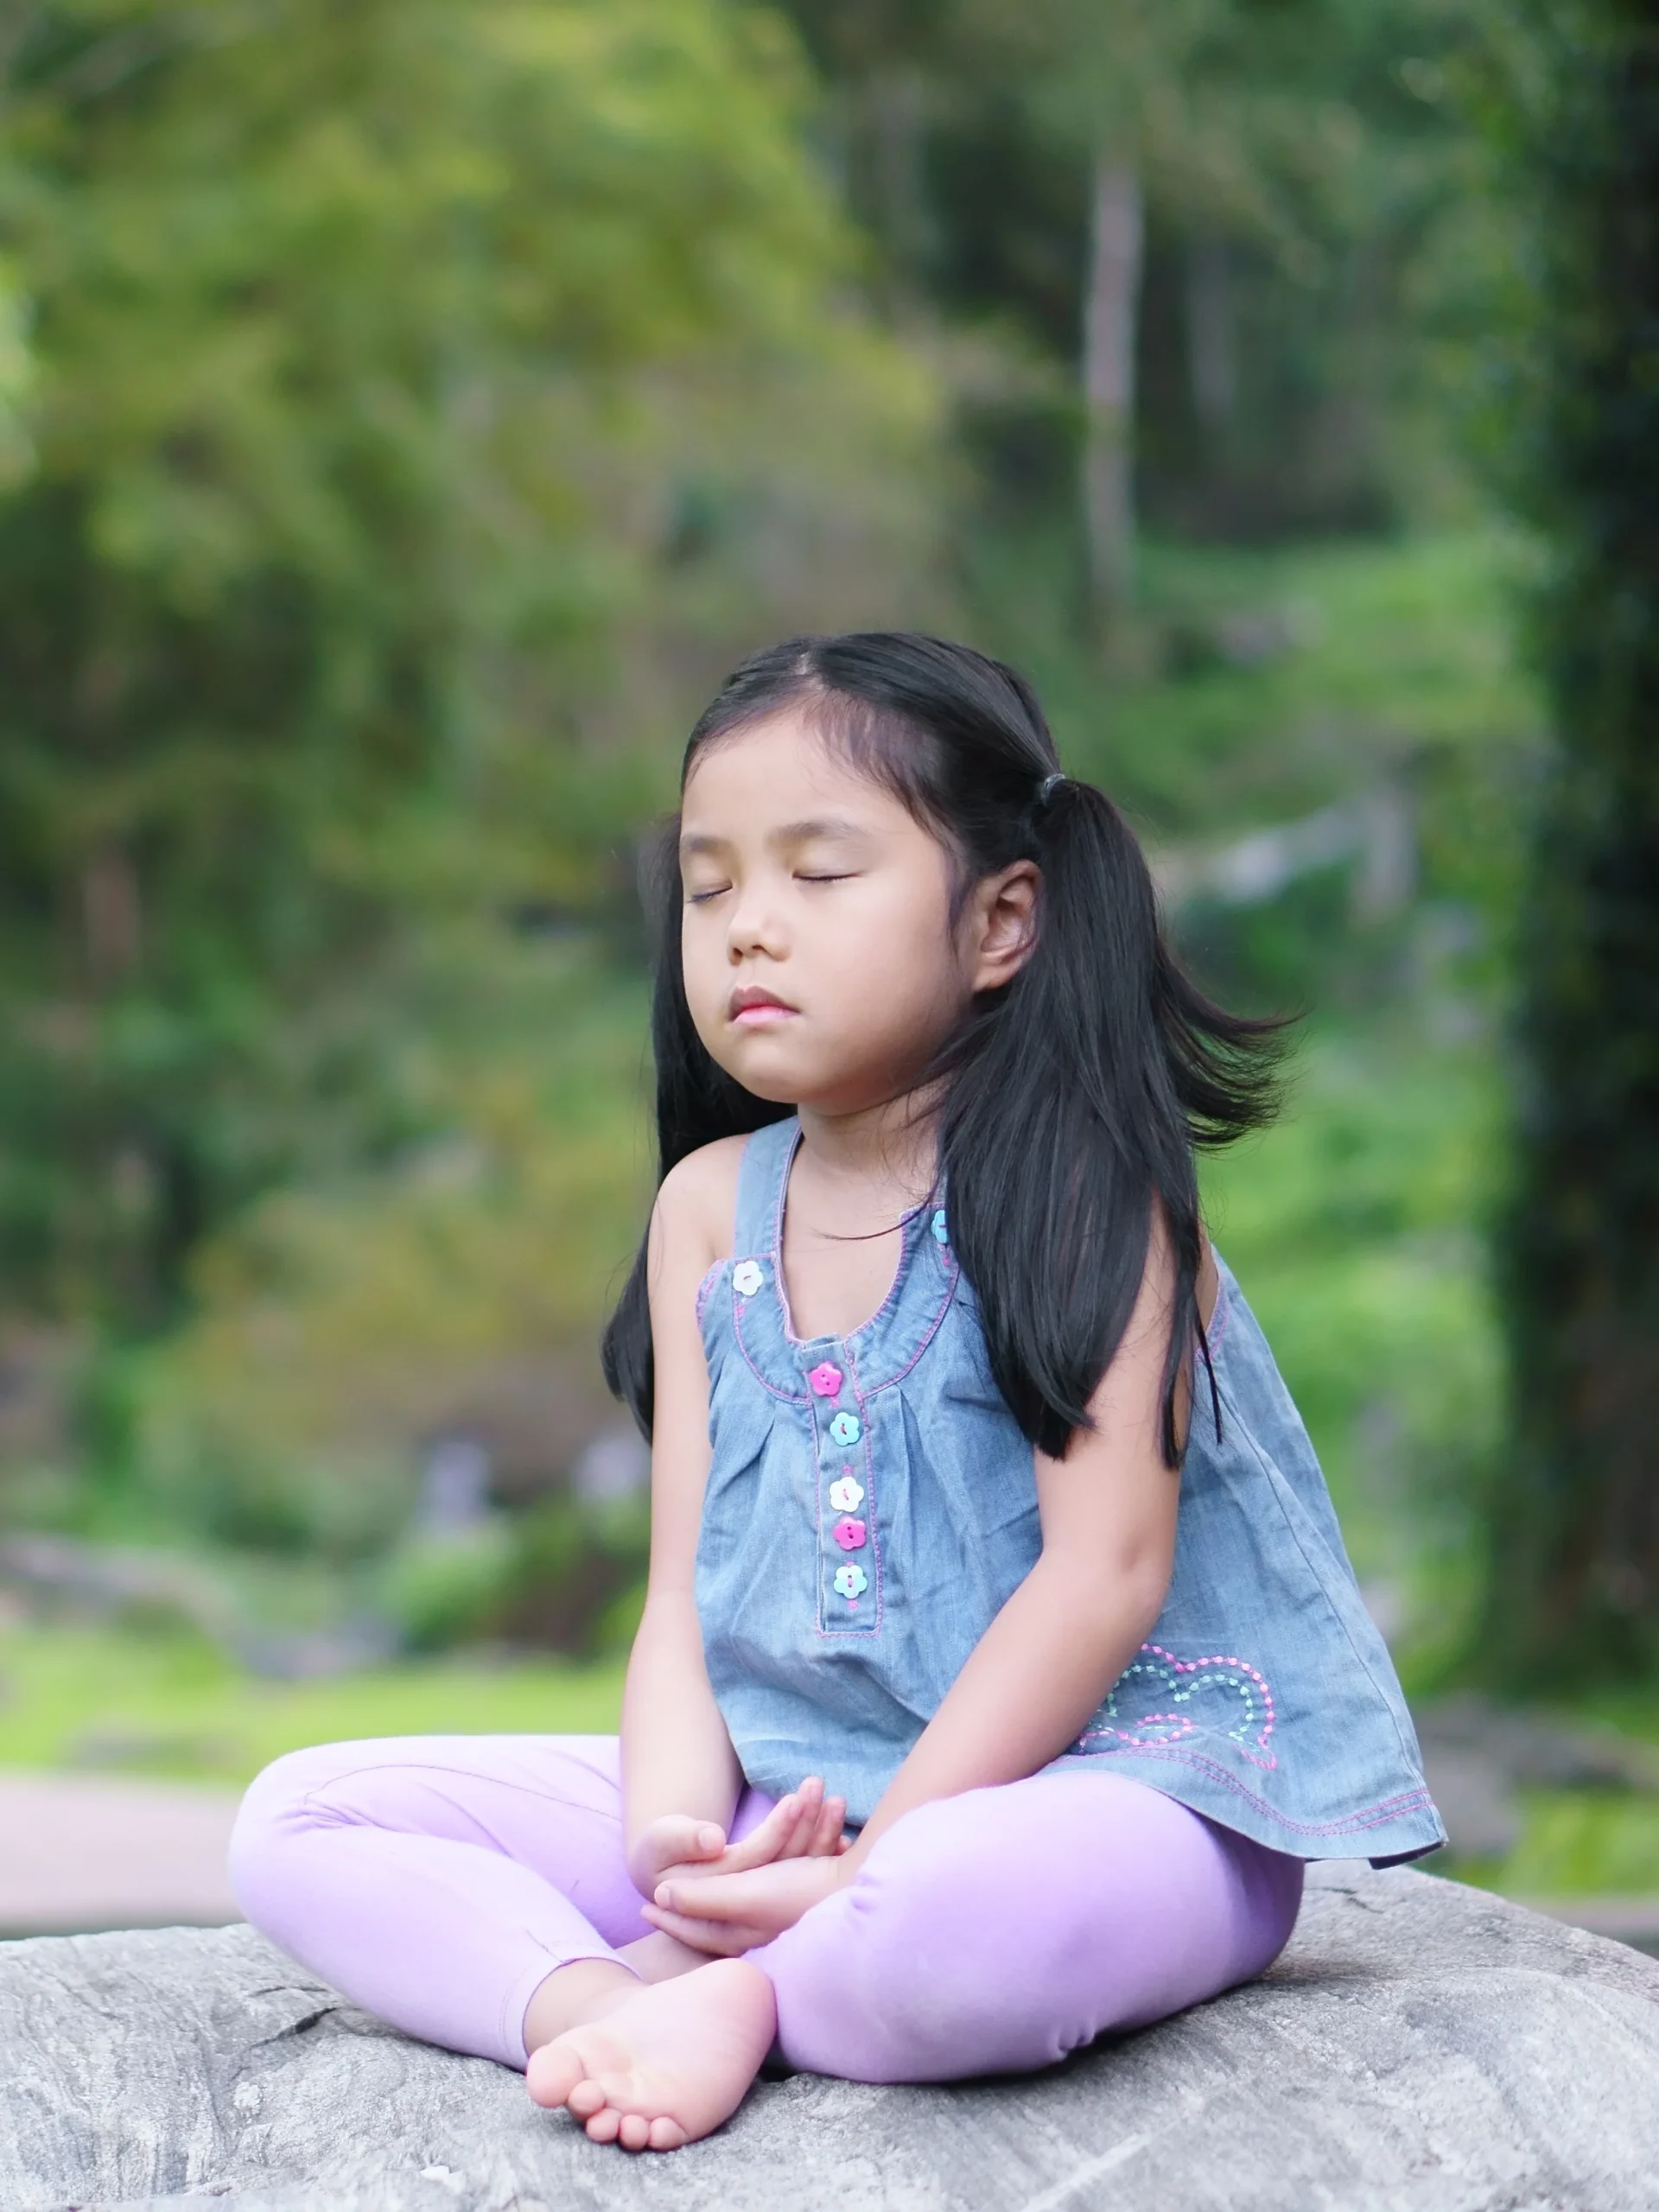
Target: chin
{"points": [[762, 1075]]}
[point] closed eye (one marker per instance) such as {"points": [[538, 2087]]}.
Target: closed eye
{"points": [[702, 897], [845, 876]]}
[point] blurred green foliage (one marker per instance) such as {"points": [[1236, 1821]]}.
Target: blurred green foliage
{"points": [[1584, 1842], [341, 1322], [172, 1704], [1355, 1229], [365, 369]]}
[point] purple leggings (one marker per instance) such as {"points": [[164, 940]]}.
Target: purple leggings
{"points": [[437, 1880]]}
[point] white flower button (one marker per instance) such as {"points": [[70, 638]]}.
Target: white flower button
{"points": [[851, 1581], [747, 1278], [845, 1494]]}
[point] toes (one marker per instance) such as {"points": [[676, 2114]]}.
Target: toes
{"points": [[605, 2126], [585, 2099], [553, 2073], [634, 2133], [667, 2135]]}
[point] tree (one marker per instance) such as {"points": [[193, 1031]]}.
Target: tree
{"points": [[1574, 1512], [1204, 214], [356, 358]]}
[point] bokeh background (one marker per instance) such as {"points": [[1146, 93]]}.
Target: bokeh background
{"points": [[408, 412]]}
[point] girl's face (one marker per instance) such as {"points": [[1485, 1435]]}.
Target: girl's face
{"points": [[822, 965]]}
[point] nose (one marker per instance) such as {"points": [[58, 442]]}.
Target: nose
{"points": [[754, 926]]}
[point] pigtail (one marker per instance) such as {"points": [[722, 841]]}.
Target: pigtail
{"points": [[1073, 1107]]}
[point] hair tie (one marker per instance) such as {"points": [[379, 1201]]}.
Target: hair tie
{"points": [[1048, 787]]}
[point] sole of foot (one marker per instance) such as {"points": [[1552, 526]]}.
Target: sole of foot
{"points": [[666, 2064]]}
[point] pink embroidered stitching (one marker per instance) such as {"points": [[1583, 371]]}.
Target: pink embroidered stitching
{"points": [[933, 1327], [1371, 1816], [789, 1397], [1176, 1727]]}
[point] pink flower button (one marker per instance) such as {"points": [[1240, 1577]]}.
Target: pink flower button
{"points": [[852, 1536], [825, 1380]]}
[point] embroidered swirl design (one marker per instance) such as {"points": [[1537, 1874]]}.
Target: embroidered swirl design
{"points": [[1216, 1695]]}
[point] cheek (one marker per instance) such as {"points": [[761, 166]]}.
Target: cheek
{"points": [[704, 972], [898, 951]]}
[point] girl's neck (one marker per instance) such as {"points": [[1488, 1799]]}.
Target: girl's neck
{"points": [[886, 1154]]}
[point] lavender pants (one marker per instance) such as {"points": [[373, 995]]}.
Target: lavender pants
{"points": [[438, 1880]]}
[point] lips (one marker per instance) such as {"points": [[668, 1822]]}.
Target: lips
{"points": [[751, 1007]]}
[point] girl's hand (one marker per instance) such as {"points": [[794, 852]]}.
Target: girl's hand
{"points": [[726, 1913], [805, 1824], [675, 1840]]}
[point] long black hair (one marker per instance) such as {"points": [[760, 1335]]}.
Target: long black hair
{"points": [[1072, 1100]]}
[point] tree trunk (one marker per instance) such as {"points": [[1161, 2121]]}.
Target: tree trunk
{"points": [[1110, 323], [1212, 364], [898, 119], [111, 917], [1575, 1508]]}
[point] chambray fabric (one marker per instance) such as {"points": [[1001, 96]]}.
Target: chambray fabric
{"points": [[1264, 1697]]}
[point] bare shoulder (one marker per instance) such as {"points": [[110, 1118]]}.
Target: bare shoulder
{"points": [[697, 1202], [1209, 1285]]}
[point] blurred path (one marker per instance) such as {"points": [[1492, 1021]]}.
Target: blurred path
{"points": [[79, 1853]]}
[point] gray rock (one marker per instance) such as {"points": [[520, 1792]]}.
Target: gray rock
{"points": [[1421, 2047]]}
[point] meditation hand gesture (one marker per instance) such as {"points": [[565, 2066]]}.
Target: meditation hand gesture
{"points": [[730, 1913], [678, 1849]]}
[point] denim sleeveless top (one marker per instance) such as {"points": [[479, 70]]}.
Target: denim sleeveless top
{"points": [[871, 1504]]}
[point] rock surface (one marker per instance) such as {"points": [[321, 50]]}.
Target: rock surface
{"points": [[1421, 2048]]}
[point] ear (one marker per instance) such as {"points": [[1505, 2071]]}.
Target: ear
{"points": [[1002, 918]]}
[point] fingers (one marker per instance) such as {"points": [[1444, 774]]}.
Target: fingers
{"points": [[809, 1800], [817, 1830], [805, 1824], [771, 1838], [699, 1900], [688, 1840], [763, 1844], [676, 1839], [720, 1939], [827, 1835]]}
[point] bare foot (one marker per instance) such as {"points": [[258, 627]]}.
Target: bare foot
{"points": [[665, 2064]]}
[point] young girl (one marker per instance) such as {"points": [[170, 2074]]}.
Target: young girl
{"points": [[1000, 1663]]}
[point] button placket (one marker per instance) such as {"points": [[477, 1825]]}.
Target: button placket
{"points": [[840, 1435]]}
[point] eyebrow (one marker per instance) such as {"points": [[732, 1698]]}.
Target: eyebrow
{"points": [[788, 833]]}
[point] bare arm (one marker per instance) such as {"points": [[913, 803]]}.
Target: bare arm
{"points": [[676, 1756], [680, 1776]]}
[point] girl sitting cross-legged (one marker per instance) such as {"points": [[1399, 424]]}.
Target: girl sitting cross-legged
{"points": [[1000, 1663]]}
